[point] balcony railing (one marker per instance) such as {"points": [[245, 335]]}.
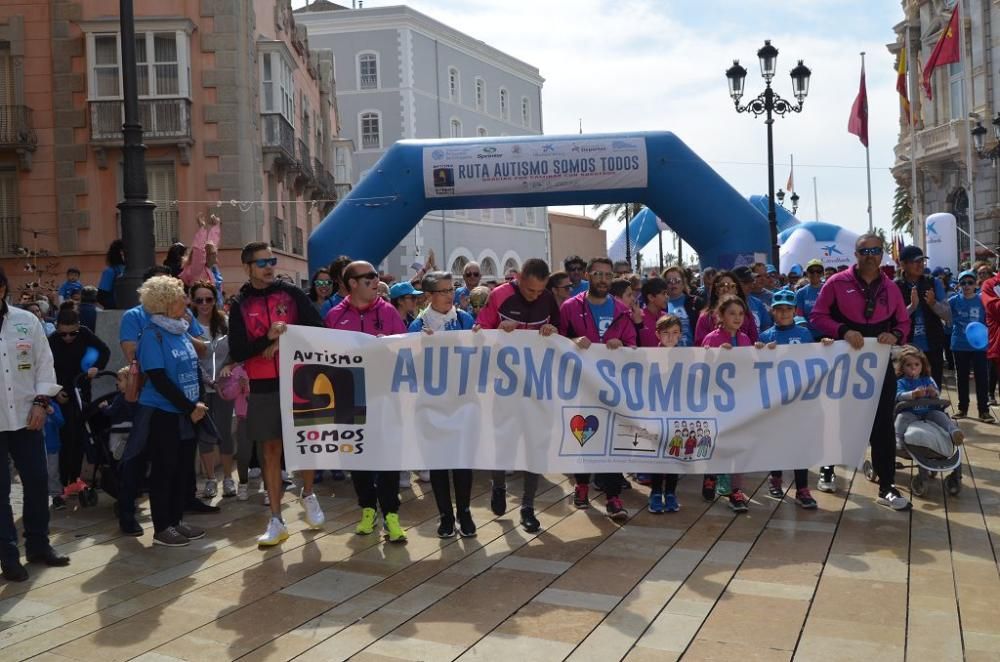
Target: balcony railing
{"points": [[165, 227], [278, 233], [370, 141], [10, 234], [279, 134], [369, 81], [305, 160], [298, 241], [163, 120], [16, 127]]}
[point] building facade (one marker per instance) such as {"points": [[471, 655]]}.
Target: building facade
{"points": [[403, 75], [239, 117], [938, 141], [574, 234]]}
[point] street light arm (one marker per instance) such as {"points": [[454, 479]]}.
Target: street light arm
{"points": [[768, 100]]}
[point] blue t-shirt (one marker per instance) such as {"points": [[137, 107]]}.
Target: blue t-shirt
{"points": [[919, 328], [964, 312], [329, 304], [68, 287], [134, 320], [582, 286], [108, 278], [787, 335], [173, 354], [604, 314], [905, 385], [760, 313], [805, 299], [676, 307]]}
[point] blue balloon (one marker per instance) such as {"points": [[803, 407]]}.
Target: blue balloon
{"points": [[976, 334], [89, 359]]}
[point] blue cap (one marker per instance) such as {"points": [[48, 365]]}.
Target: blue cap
{"points": [[968, 273], [783, 297], [937, 271], [771, 269], [796, 270], [403, 290]]}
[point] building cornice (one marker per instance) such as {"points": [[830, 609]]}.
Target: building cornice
{"points": [[278, 45], [142, 24]]}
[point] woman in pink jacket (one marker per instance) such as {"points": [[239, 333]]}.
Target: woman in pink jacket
{"points": [[725, 283], [200, 262]]}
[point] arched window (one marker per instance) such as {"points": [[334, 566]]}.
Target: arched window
{"points": [[510, 265], [453, 84], [370, 129], [480, 94], [488, 268], [504, 105], [367, 71], [525, 112], [456, 128], [458, 266]]}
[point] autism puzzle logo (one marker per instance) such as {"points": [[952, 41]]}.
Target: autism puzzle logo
{"points": [[583, 428], [325, 394]]}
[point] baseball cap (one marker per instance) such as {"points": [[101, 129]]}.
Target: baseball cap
{"points": [[403, 290], [814, 263], [783, 297], [968, 273], [743, 274], [796, 270], [911, 253], [771, 269], [937, 271]]}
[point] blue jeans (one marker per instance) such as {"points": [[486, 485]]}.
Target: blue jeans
{"points": [[27, 449]]}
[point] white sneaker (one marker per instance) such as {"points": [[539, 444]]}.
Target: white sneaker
{"points": [[210, 489], [242, 492], [893, 499], [228, 487], [404, 479], [425, 476], [824, 485], [314, 514], [276, 533]]}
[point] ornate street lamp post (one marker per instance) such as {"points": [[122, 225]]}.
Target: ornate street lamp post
{"points": [[768, 103]]}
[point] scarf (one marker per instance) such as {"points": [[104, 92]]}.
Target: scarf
{"points": [[436, 321], [170, 325]]}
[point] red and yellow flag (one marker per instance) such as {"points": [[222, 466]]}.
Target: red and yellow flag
{"points": [[946, 52], [904, 99]]}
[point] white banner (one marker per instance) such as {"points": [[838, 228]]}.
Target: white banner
{"points": [[534, 167], [495, 400]]}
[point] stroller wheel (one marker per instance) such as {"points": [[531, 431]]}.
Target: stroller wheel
{"points": [[869, 470], [919, 484], [953, 484]]}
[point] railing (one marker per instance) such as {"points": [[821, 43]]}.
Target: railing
{"points": [[369, 81], [10, 234], [278, 233], [165, 227], [305, 160], [161, 119], [298, 241], [370, 141], [16, 127], [278, 134], [943, 139]]}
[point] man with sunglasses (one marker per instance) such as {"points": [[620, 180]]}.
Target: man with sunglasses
{"points": [[575, 267], [364, 311], [860, 303], [262, 311], [928, 309], [471, 275], [805, 296]]}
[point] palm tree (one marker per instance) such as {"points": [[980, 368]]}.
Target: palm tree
{"points": [[616, 210], [902, 212]]}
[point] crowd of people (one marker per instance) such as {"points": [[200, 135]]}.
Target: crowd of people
{"points": [[200, 383]]}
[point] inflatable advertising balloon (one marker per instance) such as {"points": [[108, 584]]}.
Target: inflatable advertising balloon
{"points": [[942, 242], [830, 243]]}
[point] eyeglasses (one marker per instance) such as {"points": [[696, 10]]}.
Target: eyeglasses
{"points": [[815, 271], [601, 275], [201, 300], [966, 283], [69, 334], [264, 262], [874, 250], [448, 291], [323, 283], [674, 281], [371, 275], [472, 274]]}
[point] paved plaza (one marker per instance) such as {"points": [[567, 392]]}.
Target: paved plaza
{"points": [[850, 581]]}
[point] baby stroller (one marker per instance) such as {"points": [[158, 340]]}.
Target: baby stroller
{"points": [[99, 470], [929, 447]]}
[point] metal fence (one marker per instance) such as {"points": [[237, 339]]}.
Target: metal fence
{"points": [[16, 126]]}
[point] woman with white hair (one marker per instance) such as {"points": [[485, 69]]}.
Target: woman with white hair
{"points": [[171, 405]]}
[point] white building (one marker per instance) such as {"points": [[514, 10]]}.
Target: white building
{"points": [[402, 75]]}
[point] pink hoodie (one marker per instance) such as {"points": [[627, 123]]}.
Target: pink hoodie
{"points": [[378, 319], [236, 388], [196, 269], [718, 338]]}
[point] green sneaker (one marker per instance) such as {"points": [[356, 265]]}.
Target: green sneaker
{"points": [[723, 487], [367, 524], [394, 532]]}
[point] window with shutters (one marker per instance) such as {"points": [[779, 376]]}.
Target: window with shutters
{"points": [[162, 64], [277, 87], [504, 105], [6, 77], [163, 192], [10, 219], [370, 130]]}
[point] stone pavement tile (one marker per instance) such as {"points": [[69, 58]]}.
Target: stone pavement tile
{"points": [[601, 574], [982, 642], [567, 624], [702, 649], [671, 632], [817, 526], [867, 567], [642, 654], [768, 589], [534, 565], [16, 610], [502, 646], [582, 599], [850, 600], [788, 571], [879, 634], [331, 585], [706, 582], [838, 649], [775, 622], [406, 647], [792, 545], [638, 542]]}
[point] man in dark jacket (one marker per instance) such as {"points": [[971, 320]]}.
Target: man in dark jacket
{"points": [[928, 308]]}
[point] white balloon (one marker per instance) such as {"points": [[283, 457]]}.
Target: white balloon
{"points": [[942, 242]]}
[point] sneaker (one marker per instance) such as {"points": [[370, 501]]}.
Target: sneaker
{"points": [[498, 501], [738, 501], [708, 488], [210, 490], [723, 486], [170, 537], [529, 521], [671, 504], [367, 524], [286, 480], [615, 510], [254, 473], [466, 527], [58, 503], [314, 514], [242, 492], [805, 499], [424, 476], [275, 533], [446, 529], [986, 417], [404, 480], [655, 503], [893, 499], [992, 402], [581, 496], [827, 482], [394, 532], [190, 532], [775, 490], [961, 413], [267, 498], [228, 487]]}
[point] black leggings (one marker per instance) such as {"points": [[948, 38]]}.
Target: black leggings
{"points": [[663, 483], [801, 478], [612, 483], [883, 435], [377, 489], [462, 478], [171, 471]]}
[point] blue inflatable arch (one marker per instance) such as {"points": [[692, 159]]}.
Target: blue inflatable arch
{"points": [[415, 177]]}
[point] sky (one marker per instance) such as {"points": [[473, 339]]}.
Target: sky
{"points": [[654, 65]]}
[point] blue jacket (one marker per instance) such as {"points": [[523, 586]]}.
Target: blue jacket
{"points": [[53, 422]]}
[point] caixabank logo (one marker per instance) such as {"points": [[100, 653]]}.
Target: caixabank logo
{"points": [[329, 408]]}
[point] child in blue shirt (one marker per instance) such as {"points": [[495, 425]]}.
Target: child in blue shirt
{"points": [[71, 285], [786, 332], [915, 382], [53, 421], [966, 307], [663, 487]]}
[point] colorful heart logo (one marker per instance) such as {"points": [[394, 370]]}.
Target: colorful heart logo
{"points": [[583, 428]]}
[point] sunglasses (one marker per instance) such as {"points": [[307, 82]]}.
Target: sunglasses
{"points": [[472, 274], [69, 334], [815, 271], [966, 283], [201, 300], [322, 283], [264, 262], [371, 275], [562, 287], [674, 281], [875, 250]]}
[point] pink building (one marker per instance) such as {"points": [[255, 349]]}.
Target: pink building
{"points": [[234, 106]]}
